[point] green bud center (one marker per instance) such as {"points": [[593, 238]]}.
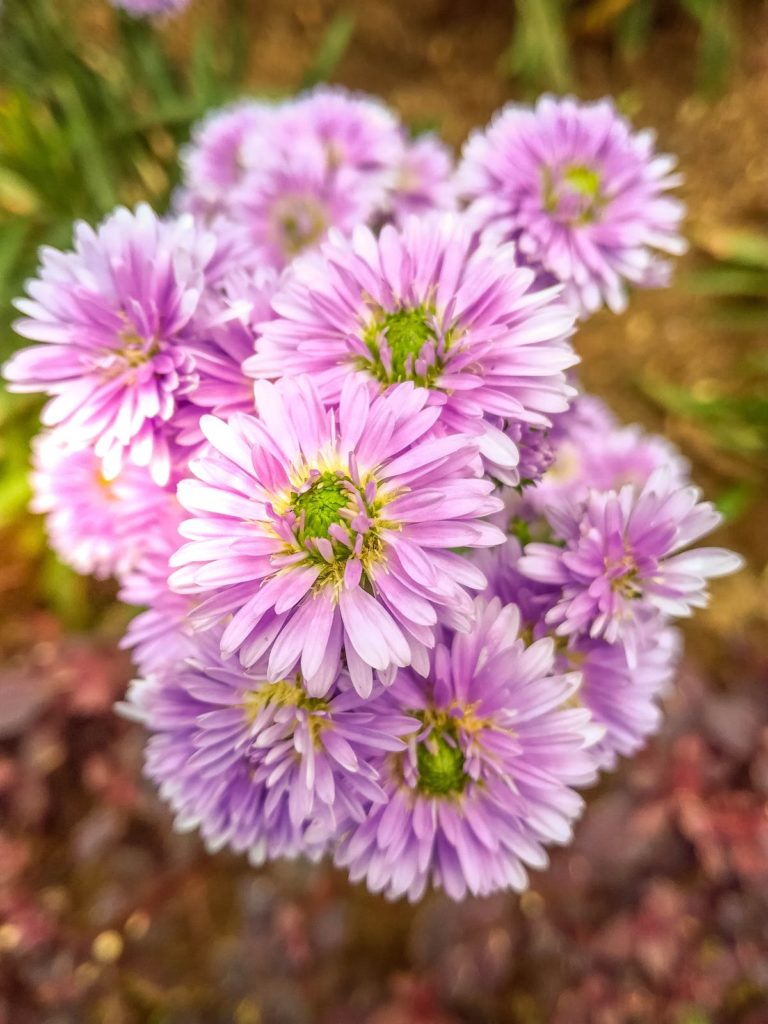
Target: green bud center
{"points": [[406, 332], [440, 766], [583, 180], [320, 504], [573, 194]]}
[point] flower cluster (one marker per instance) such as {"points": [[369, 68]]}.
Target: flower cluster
{"points": [[150, 8], [405, 590]]}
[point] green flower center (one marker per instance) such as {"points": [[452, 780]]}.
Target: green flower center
{"points": [[397, 340], [583, 180], [440, 765], [573, 194], [321, 504], [285, 693], [300, 222]]}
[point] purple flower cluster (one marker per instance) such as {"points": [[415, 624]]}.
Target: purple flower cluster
{"points": [[150, 8], [405, 590]]}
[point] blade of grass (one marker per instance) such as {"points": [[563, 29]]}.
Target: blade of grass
{"points": [[539, 52], [329, 53]]}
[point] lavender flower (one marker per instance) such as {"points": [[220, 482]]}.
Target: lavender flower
{"points": [[424, 181], [582, 195], [321, 531], [225, 336], [97, 526], [113, 318], [216, 159], [144, 8], [420, 305], [159, 637], [257, 764], [623, 555], [289, 205], [354, 131], [591, 451], [486, 783], [623, 699]]}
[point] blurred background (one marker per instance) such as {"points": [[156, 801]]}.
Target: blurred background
{"points": [[659, 911]]}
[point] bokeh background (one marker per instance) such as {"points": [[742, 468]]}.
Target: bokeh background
{"points": [[659, 911]]}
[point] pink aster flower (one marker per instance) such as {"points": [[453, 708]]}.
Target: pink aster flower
{"points": [[582, 195], [623, 555], [624, 700], [144, 8], [113, 318], [328, 530], [355, 132], [216, 159], [258, 764], [488, 781], [424, 181], [159, 637], [420, 304], [289, 204], [97, 526], [224, 337], [591, 451]]}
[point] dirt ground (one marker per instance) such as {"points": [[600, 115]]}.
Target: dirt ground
{"points": [[658, 911]]}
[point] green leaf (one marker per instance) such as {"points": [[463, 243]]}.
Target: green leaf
{"points": [[330, 51], [539, 52], [717, 43]]}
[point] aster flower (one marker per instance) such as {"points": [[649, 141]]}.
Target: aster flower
{"points": [[95, 525], [421, 305], [487, 782], [623, 555], [143, 8], [591, 451], [216, 159], [289, 204], [533, 599], [113, 318], [259, 765], [582, 195], [424, 181], [355, 132], [159, 637], [322, 531], [623, 699], [535, 454], [225, 336]]}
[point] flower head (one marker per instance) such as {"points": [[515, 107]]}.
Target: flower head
{"points": [[354, 132], [259, 765], [323, 530], [225, 336], [143, 8], [113, 318], [420, 305], [96, 525], [582, 195], [159, 637], [487, 781], [624, 700], [288, 205], [622, 555], [591, 451], [424, 181], [216, 159]]}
